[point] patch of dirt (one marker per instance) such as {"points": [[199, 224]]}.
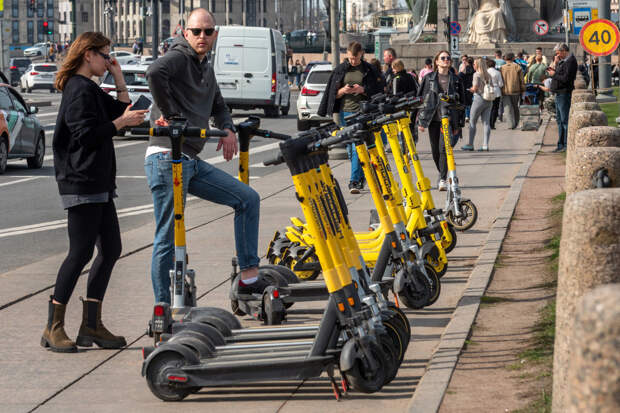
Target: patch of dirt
{"points": [[490, 376]]}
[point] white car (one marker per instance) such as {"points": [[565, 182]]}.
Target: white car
{"points": [[39, 76], [125, 58], [146, 60], [310, 97], [137, 85], [38, 49]]}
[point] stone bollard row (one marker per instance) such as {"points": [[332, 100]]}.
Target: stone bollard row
{"points": [[594, 371], [581, 106], [580, 82], [581, 95], [589, 257]]}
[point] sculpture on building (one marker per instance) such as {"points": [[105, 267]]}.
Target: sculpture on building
{"points": [[490, 21]]}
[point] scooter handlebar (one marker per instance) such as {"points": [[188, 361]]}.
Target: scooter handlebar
{"points": [[187, 131], [273, 135], [277, 160], [390, 118]]}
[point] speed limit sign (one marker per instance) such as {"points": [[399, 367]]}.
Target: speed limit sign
{"points": [[599, 37]]}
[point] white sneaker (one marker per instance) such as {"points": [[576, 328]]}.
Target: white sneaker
{"points": [[442, 186]]}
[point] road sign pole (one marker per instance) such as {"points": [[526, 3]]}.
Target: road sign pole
{"points": [[604, 68], [454, 17]]}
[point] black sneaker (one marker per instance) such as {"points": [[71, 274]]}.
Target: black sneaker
{"points": [[354, 187], [257, 287]]}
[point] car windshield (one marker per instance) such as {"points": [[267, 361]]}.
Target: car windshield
{"points": [[45, 68], [21, 62], [318, 77], [131, 79]]}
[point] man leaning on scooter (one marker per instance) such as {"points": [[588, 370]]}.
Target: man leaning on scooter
{"points": [[183, 84]]}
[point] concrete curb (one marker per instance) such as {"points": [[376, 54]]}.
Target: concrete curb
{"points": [[39, 103], [430, 391]]}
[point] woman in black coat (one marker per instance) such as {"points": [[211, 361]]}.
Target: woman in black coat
{"points": [[85, 167], [440, 81]]}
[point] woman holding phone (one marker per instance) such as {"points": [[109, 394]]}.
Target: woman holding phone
{"points": [[85, 167]]}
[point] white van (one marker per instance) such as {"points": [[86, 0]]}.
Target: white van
{"points": [[251, 70]]}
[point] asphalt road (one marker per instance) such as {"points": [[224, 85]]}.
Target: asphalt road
{"points": [[32, 220]]}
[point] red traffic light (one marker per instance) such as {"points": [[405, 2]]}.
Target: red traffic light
{"points": [[44, 24]]}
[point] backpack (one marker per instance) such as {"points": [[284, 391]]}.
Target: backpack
{"points": [[488, 92]]}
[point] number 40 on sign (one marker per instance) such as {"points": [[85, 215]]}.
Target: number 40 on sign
{"points": [[599, 37]]}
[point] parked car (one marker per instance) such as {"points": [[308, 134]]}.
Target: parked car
{"points": [[250, 67], [38, 49], [125, 58], [137, 85], [39, 76], [310, 97], [21, 133], [146, 60], [309, 67], [17, 66]]}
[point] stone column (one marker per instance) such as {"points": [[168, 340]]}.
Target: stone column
{"points": [[581, 95], [585, 165], [589, 257], [582, 119], [594, 371], [581, 106]]}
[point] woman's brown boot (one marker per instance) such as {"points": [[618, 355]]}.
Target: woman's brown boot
{"points": [[54, 335], [92, 329]]}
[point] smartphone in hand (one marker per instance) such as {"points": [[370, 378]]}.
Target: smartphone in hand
{"points": [[142, 103]]}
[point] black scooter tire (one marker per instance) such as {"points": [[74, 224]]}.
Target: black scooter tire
{"points": [[285, 272], [417, 300], [401, 316], [229, 319], [395, 321], [194, 334], [391, 352], [199, 347], [157, 381], [451, 246], [214, 322], [463, 224], [368, 382], [217, 339]]}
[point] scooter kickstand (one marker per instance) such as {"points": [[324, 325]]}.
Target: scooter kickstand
{"points": [[335, 388]]}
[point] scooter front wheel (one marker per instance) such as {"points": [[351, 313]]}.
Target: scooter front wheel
{"points": [[364, 379], [448, 248], [469, 216]]}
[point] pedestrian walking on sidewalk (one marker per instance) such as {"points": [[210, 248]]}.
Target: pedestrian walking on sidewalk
{"points": [[440, 81], [514, 86], [183, 84], [484, 95], [351, 82], [563, 74], [85, 167], [498, 83]]}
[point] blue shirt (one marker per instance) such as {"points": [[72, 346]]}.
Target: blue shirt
{"points": [[499, 63]]}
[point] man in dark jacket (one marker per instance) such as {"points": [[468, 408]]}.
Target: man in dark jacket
{"points": [[562, 84], [183, 84], [351, 82]]}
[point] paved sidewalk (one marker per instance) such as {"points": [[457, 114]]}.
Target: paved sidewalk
{"points": [[108, 380]]}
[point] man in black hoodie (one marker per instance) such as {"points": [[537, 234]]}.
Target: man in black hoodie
{"points": [[183, 84]]}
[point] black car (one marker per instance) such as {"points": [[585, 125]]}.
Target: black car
{"points": [[18, 66]]}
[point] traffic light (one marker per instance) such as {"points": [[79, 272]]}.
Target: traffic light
{"points": [[46, 27]]}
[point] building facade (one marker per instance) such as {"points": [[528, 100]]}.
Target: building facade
{"points": [[83, 23], [26, 22]]}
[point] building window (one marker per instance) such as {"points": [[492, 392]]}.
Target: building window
{"points": [[50, 28], [40, 12], [30, 10], [30, 32], [15, 8], [84, 17], [40, 31], [230, 6], [165, 6], [212, 6], [15, 31], [50, 8]]}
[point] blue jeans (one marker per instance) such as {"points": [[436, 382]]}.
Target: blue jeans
{"points": [[206, 182], [356, 167], [562, 107]]}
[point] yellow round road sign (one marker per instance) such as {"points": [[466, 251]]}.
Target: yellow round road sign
{"points": [[599, 37]]}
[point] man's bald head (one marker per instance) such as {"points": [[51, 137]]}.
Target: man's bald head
{"points": [[199, 23], [201, 14]]}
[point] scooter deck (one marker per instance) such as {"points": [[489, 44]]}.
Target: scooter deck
{"points": [[218, 373]]}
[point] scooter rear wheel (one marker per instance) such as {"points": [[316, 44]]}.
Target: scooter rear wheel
{"points": [[287, 273], [469, 216], [362, 378], [157, 377]]}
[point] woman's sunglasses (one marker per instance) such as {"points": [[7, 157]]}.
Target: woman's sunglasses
{"points": [[444, 58], [207, 32], [105, 56]]}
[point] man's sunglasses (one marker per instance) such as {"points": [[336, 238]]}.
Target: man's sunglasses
{"points": [[444, 58], [207, 32]]}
